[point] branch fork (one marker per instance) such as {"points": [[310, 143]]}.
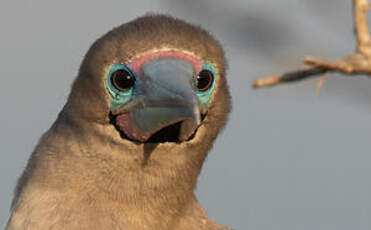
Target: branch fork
{"points": [[357, 63]]}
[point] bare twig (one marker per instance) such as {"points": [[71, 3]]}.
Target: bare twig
{"points": [[321, 81], [289, 77], [360, 8], [357, 63]]}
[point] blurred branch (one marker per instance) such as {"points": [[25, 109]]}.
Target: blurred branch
{"points": [[357, 63]]}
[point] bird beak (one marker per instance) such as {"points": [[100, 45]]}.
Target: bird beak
{"points": [[164, 97]]}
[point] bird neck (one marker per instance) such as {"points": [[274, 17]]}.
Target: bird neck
{"points": [[139, 176]]}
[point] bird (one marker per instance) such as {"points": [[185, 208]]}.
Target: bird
{"points": [[125, 152]]}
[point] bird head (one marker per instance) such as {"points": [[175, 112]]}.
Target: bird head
{"points": [[154, 80]]}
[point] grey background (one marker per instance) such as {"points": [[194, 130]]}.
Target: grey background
{"points": [[288, 159]]}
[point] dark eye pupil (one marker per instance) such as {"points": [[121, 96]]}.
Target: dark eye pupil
{"points": [[204, 80], [122, 80]]}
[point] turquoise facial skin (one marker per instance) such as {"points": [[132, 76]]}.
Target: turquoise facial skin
{"points": [[118, 97], [205, 96]]}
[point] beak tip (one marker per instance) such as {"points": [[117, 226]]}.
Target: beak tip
{"points": [[188, 129]]}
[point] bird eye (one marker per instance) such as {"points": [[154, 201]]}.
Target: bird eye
{"points": [[204, 80], [122, 80]]}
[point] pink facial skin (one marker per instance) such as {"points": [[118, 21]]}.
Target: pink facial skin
{"points": [[125, 121], [136, 64]]}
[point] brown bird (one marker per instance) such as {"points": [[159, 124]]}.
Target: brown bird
{"points": [[126, 150]]}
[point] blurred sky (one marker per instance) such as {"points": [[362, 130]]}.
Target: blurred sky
{"points": [[288, 159]]}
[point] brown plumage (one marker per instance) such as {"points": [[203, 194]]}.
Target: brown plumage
{"points": [[84, 174]]}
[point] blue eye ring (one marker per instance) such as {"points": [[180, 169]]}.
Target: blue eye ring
{"points": [[208, 76], [120, 80], [204, 95], [119, 95], [204, 80]]}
